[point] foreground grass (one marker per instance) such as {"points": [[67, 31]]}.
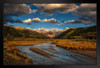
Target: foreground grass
{"points": [[87, 47], [12, 56]]}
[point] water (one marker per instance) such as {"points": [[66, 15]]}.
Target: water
{"points": [[60, 55]]}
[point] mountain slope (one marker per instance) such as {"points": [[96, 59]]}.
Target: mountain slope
{"points": [[11, 32], [87, 33]]}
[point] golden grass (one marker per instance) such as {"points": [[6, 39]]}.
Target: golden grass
{"points": [[87, 48], [41, 52], [25, 43], [77, 45], [12, 56]]}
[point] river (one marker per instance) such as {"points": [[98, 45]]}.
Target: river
{"points": [[60, 55]]}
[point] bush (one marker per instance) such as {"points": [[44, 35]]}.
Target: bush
{"points": [[29, 61]]}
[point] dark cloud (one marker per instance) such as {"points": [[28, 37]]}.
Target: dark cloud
{"points": [[51, 8], [86, 10], [84, 20], [16, 9], [87, 13]]}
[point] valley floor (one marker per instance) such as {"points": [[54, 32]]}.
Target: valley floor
{"points": [[87, 48]]}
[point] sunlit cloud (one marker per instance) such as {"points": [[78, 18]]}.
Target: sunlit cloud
{"points": [[48, 30], [52, 20], [28, 28], [67, 28], [51, 8], [32, 20]]}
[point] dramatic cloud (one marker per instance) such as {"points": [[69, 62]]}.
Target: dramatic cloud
{"points": [[87, 13], [17, 9], [86, 10], [52, 20], [90, 20], [51, 8]]}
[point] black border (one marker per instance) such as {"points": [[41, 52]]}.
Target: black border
{"points": [[49, 1]]}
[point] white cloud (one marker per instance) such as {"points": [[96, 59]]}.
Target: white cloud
{"points": [[71, 21], [52, 20], [28, 28], [67, 27], [36, 20], [27, 21], [32, 20], [48, 30]]}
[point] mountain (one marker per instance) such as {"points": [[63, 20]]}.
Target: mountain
{"points": [[50, 34], [12, 32], [72, 33]]}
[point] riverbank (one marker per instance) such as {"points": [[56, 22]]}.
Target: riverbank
{"points": [[43, 54], [14, 54], [87, 48]]}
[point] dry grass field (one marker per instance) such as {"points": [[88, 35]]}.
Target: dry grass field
{"points": [[26, 43], [87, 48], [12, 56]]}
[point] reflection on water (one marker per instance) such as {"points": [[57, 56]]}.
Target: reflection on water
{"points": [[60, 55]]}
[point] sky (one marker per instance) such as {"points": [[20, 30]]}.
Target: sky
{"points": [[49, 16]]}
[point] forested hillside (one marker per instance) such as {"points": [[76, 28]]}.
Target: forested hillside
{"points": [[10, 33], [79, 33]]}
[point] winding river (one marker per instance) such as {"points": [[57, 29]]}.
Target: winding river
{"points": [[60, 55]]}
